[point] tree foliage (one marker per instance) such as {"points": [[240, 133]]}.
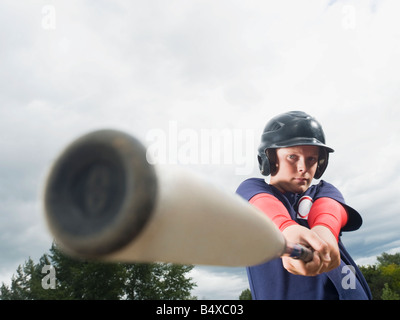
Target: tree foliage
{"points": [[245, 295], [383, 278], [90, 280]]}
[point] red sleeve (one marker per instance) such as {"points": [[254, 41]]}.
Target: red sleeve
{"points": [[328, 213], [274, 209]]}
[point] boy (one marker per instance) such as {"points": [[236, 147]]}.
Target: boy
{"points": [[293, 152]]}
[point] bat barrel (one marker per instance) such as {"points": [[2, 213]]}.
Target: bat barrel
{"points": [[100, 193]]}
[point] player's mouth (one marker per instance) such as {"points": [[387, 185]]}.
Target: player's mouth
{"points": [[301, 180]]}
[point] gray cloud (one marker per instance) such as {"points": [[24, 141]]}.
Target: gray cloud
{"points": [[137, 66]]}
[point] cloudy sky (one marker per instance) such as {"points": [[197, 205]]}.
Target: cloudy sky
{"points": [[175, 73]]}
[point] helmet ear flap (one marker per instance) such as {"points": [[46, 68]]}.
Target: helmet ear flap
{"points": [[267, 161], [263, 164], [322, 163]]}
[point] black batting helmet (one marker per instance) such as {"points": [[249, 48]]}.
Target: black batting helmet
{"points": [[290, 129]]}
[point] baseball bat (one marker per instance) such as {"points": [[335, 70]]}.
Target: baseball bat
{"points": [[103, 200]]}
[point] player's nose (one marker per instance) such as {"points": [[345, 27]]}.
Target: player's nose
{"points": [[301, 165]]}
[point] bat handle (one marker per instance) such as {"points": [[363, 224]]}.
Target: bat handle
{"points": [[297, 251]]}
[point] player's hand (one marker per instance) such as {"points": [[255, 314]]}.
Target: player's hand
{"points": [[309, 238], [333, 248]]}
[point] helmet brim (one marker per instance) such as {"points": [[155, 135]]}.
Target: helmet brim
{"points": [[300, 142]]}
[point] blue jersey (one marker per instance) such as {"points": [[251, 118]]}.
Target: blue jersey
{"points": [[271, 281]]}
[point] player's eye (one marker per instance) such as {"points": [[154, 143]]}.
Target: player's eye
{"points": [[312, 160]]}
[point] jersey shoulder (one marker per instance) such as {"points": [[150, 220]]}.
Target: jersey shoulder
{"points": [[325, 189], [253, 186], [328, 190]]}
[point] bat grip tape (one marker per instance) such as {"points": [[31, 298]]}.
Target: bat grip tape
{"points": [[298, 251]]}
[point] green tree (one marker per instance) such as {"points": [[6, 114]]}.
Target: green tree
{"points": [[386, 259], [245, 295], [173, 282], [383, 278], [392, 289], [87, 280], [388, 294], [375, 280], [79, 279], [17, 288], [158, 281], [141, 282]]}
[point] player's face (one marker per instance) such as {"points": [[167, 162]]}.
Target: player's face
{"points": [[296, 168]]}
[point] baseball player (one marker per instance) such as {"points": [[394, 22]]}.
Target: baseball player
{"points": [[293, 152]]}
